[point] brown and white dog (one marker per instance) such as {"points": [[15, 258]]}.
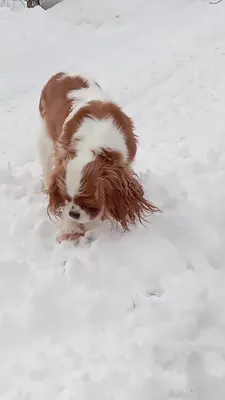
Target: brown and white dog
{"points": [[86, 146]]}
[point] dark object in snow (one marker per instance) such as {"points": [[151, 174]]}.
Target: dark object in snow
{"points": [[32, 3]]}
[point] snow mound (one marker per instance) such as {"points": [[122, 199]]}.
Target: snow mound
{"points": [[126, 316]]}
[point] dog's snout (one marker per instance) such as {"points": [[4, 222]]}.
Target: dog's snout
{"points": [[74, 214]]}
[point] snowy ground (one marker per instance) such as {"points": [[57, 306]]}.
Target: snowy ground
{"points": [[138, 316]]}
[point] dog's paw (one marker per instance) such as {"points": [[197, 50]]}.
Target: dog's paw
{"points": [[73, 236]]}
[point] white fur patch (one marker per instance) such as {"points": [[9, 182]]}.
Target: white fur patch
{"points": [[94, 136], [74, 170]]}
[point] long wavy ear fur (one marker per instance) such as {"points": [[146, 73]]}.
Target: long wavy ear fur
{"points": [[123, 197], [55, 191]]}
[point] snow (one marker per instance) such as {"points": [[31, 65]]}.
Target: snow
{"points": [[135, 315]]}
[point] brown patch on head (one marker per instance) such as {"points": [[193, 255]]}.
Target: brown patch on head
{"points": [[88, 203]]}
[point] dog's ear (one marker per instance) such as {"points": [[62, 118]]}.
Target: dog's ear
{"points": [[56, 190], [123, 197]]}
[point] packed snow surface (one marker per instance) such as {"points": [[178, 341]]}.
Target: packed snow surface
{"points": [[128, 316]]}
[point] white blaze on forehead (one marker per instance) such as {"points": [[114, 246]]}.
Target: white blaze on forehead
{"points": [[74, 171], [93, 135]]}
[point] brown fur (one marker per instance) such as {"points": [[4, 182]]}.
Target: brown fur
{"points": [[54, 106], [57, 191]]}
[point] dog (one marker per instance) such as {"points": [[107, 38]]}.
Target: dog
{"points": [[87, 146]]}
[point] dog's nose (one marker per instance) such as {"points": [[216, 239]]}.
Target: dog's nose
{"points": [[74, 214]]}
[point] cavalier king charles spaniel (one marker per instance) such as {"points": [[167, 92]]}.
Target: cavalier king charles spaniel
{"points": [[86, 146]]}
